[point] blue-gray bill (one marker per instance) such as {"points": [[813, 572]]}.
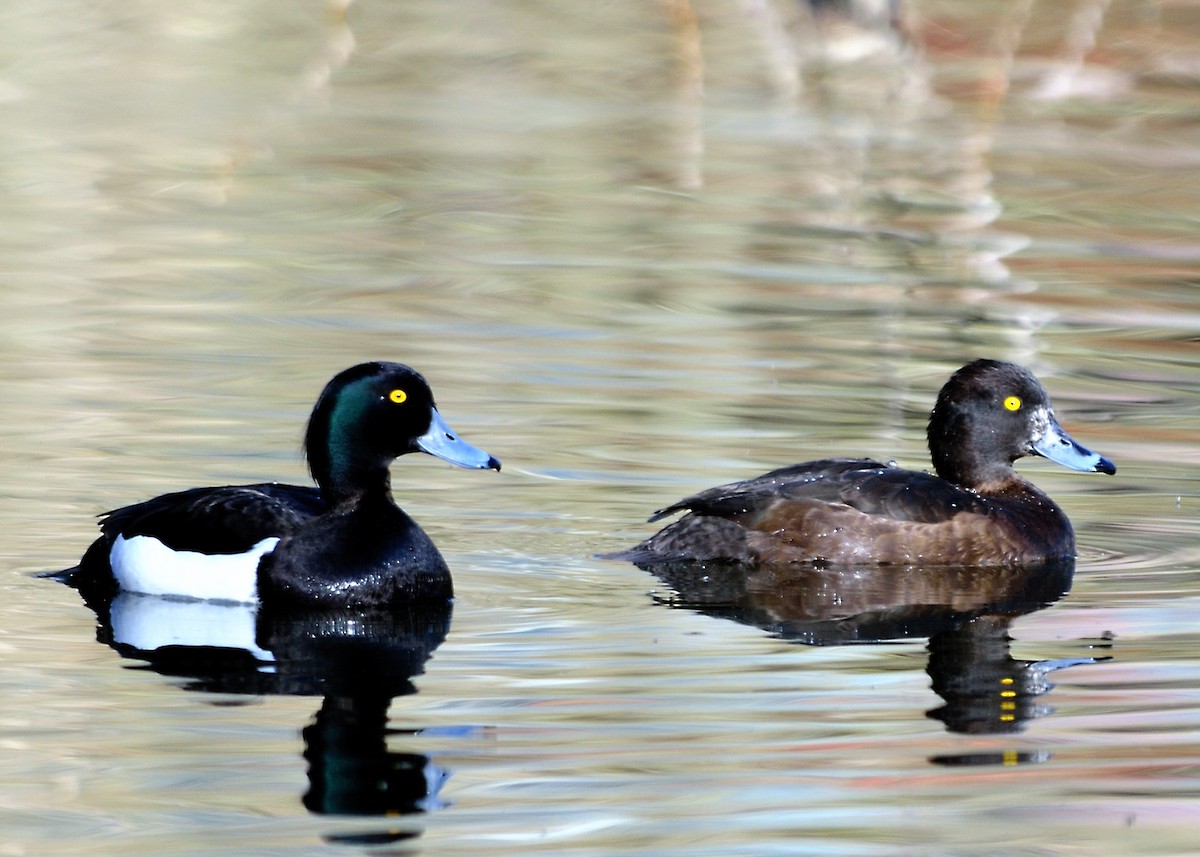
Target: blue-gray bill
{"points": [[440, 441], [1058, 446]]}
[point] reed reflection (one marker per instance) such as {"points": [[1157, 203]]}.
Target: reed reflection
{"points": [[356, 660], [965, 612]]}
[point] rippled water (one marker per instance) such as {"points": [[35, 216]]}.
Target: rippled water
{"points": [[639, 250]]}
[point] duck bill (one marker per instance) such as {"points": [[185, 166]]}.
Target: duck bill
{"points": [[441, 442], [1058, 446]]}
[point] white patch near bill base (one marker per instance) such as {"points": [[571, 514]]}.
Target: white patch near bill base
{"points": [[144, 564], [148, 622]]}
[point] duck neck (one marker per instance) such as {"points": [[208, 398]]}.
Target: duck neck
{"points": [[972, 470], [339, 460], [354, 482], [961, 455]]}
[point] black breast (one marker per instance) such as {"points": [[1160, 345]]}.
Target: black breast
{"points": [[368, 553]]}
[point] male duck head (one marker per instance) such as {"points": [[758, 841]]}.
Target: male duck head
{"points": [[369, 415], [988, 415]]}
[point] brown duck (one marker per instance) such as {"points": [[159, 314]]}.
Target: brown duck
{"points": [[977, 510]]}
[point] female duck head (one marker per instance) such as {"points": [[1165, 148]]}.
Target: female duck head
{"points": [[988, 415], [367, 416]]}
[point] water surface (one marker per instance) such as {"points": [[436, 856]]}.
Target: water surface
{"points": [[638, 249]]}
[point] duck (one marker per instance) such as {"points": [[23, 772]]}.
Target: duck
{"points": [[343, 543], [973, 510]]}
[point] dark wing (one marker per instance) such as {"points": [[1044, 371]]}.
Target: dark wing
{"points": [[869, 486], [230, 519], [737, 498]]}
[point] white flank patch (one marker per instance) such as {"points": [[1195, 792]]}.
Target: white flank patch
{"points": [[144, 564], [147, 622]]}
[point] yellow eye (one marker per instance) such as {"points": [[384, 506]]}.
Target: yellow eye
{"points": [[1012, 403], [398, 396]]}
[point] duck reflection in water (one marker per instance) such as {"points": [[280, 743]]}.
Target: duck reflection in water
{"points": [[357, 659], [965, 612]]}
